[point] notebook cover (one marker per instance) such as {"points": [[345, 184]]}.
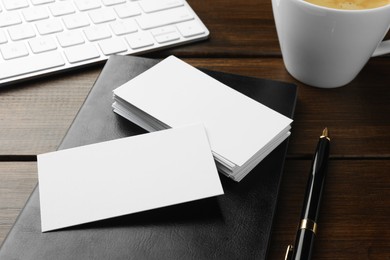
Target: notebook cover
{"points": [[236, 225]]}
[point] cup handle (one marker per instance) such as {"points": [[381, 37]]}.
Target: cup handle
{"points": [[383, 48]]}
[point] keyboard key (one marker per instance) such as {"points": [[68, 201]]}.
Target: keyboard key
{"points": [[189, 29], [84, 5], [61, 8], [113, 2], [81, 53], [97, 33], [41, 2], [163, 30], [15, 4], [49, 26], [31, 64], [112, 46], [35, 14], [127, 10], [168, 37], [122, 27], [20, 32], [13, 50], [102, 16], [42, 44], [140, 40], [8, 19], [166, 17], [74, 21], [157, 5], [70, 38]]}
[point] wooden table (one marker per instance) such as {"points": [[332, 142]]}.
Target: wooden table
{"points": [[354, 222]]}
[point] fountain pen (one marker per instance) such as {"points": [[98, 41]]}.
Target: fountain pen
{"points": [[307, 229]]}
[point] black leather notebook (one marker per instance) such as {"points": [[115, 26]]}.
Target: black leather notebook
{"points": [[236, 225]]}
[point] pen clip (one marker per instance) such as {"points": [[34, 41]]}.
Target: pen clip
{"points": [[289, 252]]}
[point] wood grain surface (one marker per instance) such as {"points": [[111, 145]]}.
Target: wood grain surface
{"points": [[354, 220]]}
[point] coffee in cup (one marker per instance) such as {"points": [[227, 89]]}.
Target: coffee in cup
{"points": [[350, 4]]}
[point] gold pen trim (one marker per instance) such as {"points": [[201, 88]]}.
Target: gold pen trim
{"points": [[325, 134], [309, 225]]}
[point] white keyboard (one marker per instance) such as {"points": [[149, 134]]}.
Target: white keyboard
{"points": [[39, 37]]}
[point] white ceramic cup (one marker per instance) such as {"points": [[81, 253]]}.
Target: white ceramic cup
{"points": [[326, 47]]}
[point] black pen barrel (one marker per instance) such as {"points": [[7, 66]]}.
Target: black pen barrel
{"points": [[304, 245], [311, 205], [315, 185]]}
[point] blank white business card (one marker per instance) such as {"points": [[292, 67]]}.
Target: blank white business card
{"points": [[124, 176]]}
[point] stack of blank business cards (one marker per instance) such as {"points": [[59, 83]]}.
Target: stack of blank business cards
{"points": [[241, 131]]}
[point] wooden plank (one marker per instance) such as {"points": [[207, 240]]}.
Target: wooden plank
{"points": [[36, 115]]}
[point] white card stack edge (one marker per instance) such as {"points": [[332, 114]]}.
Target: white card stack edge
{"points": [[228, 168]]}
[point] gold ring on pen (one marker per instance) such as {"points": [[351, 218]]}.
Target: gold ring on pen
{"points": [[309, 225]]}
